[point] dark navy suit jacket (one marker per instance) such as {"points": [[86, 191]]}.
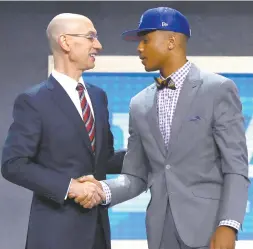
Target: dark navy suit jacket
{"points": [[46, 146]]}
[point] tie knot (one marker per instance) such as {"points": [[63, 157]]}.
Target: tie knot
{"points": [[167, 83]]}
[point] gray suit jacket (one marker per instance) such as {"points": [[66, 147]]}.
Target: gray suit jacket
{"points": [[204, 173]]}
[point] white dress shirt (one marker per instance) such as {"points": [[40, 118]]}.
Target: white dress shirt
{"points": [[69, 85]]}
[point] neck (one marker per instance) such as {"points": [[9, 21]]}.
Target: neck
{"points": [[172, 66], [67, 69]]}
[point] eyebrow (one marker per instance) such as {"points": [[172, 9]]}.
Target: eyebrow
{"points": [[91, 32]]}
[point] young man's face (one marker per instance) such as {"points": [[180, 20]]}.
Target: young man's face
{"points": [[153, 50]]}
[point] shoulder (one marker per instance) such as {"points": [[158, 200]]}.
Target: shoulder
{"points": [[33, 93], [95, 88], [214, 83], [219, 85], [213, 79], [141, 96]]}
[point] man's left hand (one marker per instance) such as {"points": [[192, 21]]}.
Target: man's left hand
{"points": [[223, 238]]}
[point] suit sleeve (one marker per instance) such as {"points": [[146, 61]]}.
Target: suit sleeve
{"points": [[21, 148], [115, 158], [229, 134], [133, 180]]}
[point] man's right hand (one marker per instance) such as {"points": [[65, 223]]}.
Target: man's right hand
{"points": [[87, 193], [90, 178]]}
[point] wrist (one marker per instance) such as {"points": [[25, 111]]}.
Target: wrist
{"points": [[229, 228], [72, 186]]}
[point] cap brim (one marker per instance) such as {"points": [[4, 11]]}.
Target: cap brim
{"points": [[132, 35]]}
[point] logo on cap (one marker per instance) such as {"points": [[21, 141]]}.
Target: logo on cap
{"points": [[164, 24]]}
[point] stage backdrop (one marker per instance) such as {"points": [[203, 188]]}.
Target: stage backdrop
{"points": [[218, 28]]}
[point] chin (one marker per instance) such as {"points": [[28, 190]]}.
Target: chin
{"points": [[89, 67], [92, 66], [150, 69]]}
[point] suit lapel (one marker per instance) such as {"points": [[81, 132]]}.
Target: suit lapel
{"points": [[152, 117], [187, 95], [98, 119], [62, 99]]}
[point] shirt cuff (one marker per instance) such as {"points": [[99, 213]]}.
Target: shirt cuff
{"points": [[231, 223], [66, 196], [107, 192]]}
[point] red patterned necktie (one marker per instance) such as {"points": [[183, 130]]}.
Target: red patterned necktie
{"points": [[87, 115]]}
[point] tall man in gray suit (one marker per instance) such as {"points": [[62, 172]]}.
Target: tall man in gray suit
{"points": [[187, 144]]}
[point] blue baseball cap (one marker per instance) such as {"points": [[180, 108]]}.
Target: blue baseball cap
{"points": [[161, 18]]}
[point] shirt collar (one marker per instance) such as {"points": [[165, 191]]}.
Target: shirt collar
{"points": [[179, 76], [66, 81]]}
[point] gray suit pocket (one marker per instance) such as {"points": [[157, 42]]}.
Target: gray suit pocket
{"points": [[208, 192]]}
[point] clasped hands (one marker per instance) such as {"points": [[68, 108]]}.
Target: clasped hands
{"points": [[86, 191]]}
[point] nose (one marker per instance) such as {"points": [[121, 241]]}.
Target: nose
{"points": [[97, 45], [140, 47]]}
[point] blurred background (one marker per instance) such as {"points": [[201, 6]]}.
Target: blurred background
{"points": [[222, 42]]}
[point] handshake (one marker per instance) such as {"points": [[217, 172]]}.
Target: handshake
{"points": [[86, 191]]}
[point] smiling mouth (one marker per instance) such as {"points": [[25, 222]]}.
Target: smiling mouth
{"points": [[93, 55], [143, 60]]}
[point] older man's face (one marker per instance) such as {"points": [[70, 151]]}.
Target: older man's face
{"points": [[84, 46]]}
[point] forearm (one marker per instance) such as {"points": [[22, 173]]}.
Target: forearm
{"points": [[229, 135], [124, 188], [37, 178], [234, 198]]}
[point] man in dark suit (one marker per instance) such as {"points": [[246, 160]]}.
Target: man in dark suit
{"points": [[61, 132]]}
